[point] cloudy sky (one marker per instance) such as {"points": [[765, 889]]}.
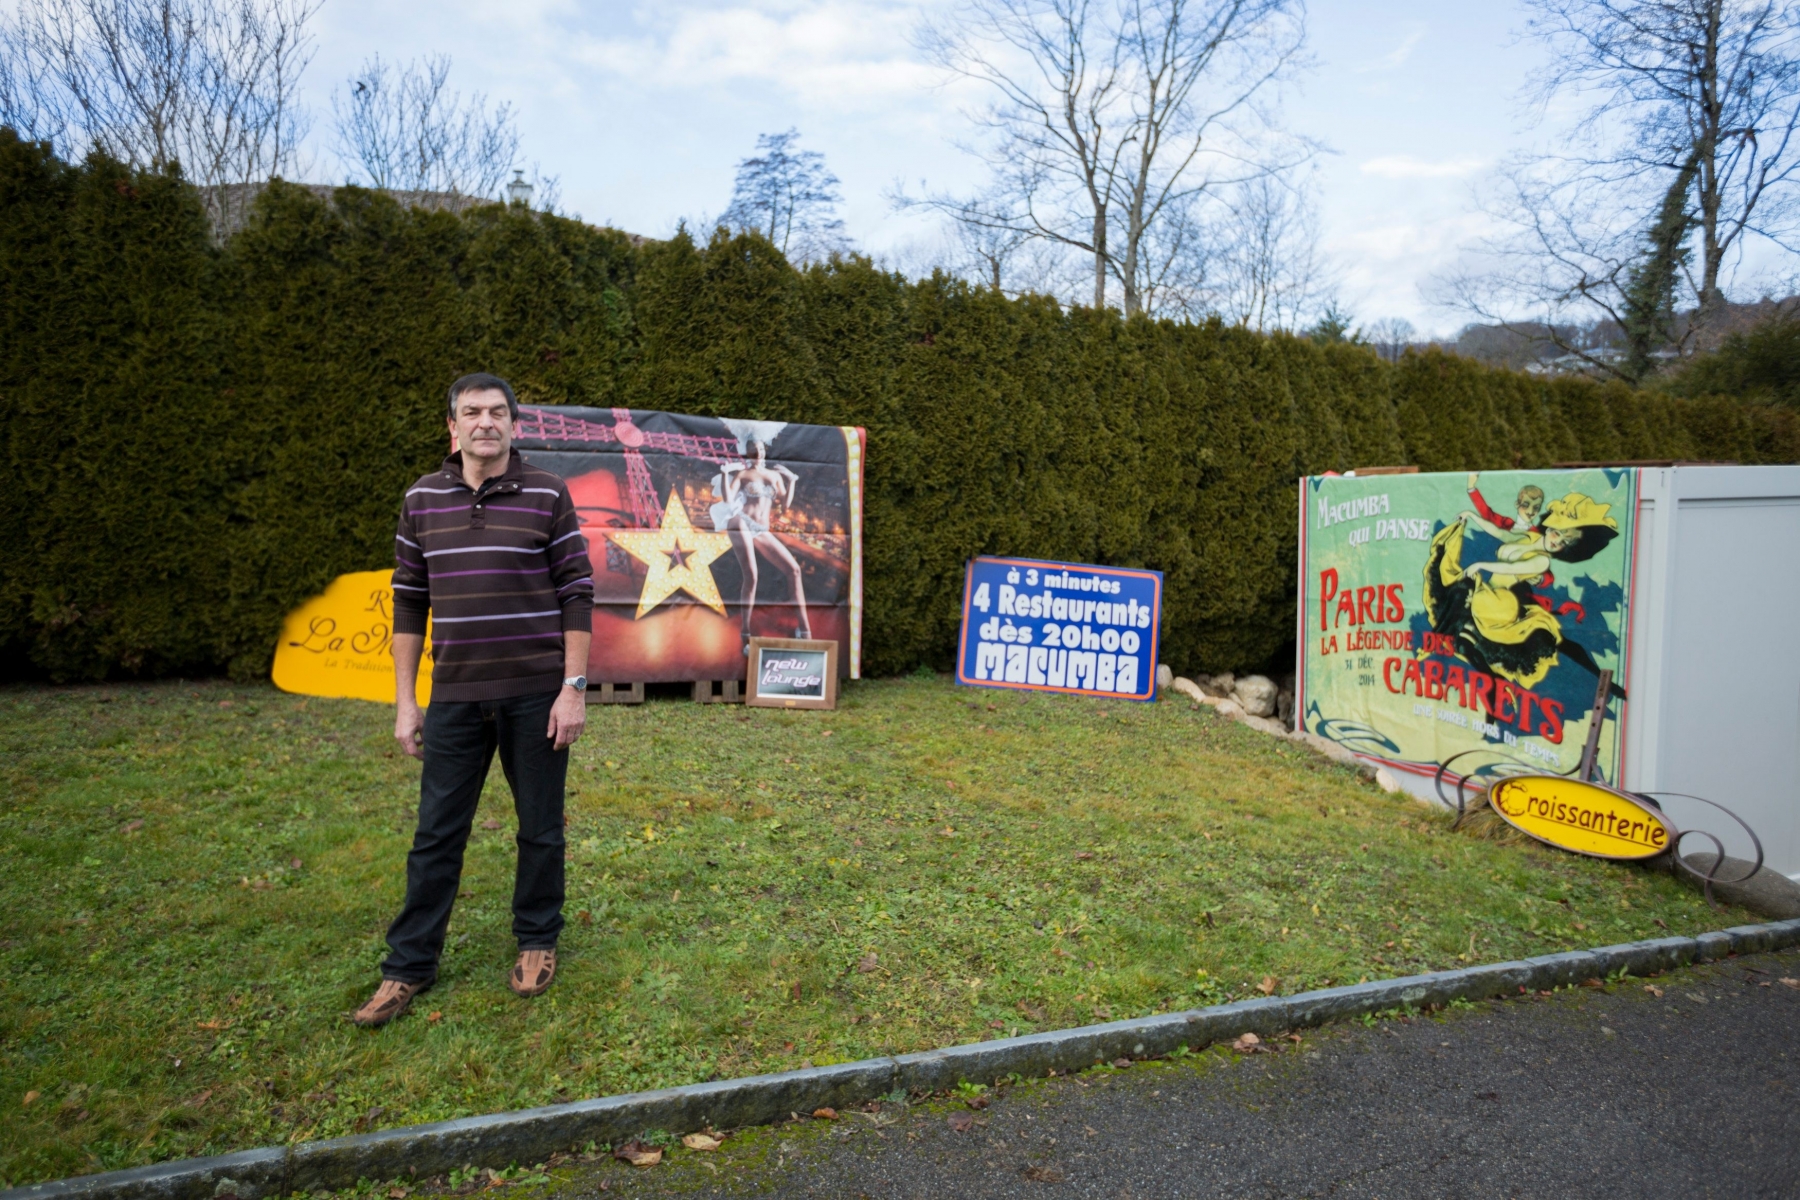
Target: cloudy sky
{"points": [[643, 109]]}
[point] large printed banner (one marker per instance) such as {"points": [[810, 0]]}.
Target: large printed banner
{"points": [[1464, 619], [1060, 627], [705, 532]]}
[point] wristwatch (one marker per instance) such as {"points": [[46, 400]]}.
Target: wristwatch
{"points": [[578, 682]]}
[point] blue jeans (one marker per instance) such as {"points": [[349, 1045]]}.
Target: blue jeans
{"points": [[460, 740]]}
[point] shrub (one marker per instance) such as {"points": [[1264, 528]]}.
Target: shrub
{"points": [[200, 437]]}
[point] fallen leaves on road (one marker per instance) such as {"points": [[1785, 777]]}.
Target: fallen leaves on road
{"points": [[960, 1122], [1593, 983], [1653, 990], [1043, 1174], [1268, 985], [977, 1102], [1247, 1044], [702, 1141], [1121, 1063], [825, 1114], [1793, 983], [639, 1154]]}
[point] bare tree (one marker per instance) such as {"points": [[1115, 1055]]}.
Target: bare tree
{"points": [[404, 130], [1691, 111], [1267, 272], [31, 104], [209, 86], [1391, 336], [987, 248], [787, 195], [1111, 120]]}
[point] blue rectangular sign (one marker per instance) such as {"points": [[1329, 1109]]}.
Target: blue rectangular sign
{"points": [[1060, 627]]}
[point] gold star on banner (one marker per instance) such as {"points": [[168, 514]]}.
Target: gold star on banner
{"points": [[678, 556]]}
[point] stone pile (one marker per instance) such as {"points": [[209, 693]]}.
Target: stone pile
{"points": [[1256, 701]]}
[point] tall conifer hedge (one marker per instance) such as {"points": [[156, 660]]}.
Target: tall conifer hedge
{"points": [[200, 437]]}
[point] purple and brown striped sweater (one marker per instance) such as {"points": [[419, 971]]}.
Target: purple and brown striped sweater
{"points": [[502, 571]]}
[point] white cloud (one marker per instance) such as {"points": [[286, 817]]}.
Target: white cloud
{"points": [[1394, 58], [1386, 264], [1405, 166], [835, 52]]}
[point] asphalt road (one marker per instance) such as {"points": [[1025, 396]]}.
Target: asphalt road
{"points": [[1585, 1093]]}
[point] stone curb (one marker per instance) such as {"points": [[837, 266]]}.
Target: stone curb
{"points": [[534, 1134]]}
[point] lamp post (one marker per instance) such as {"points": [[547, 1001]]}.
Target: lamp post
{"points": [[519, 191]]}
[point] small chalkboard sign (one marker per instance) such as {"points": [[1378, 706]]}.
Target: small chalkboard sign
{"points": [[792, 673]]}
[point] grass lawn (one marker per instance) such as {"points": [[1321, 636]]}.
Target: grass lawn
{"points": [[195, 880]]}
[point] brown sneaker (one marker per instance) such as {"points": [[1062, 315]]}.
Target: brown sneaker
{"points": [[388, 1002], [532, 974]]}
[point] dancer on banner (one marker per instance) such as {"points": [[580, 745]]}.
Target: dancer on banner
{"points": [[1500, 625], [747, 512]]}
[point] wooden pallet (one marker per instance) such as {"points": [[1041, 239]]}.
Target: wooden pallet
{"points": [[615, 693], [729, 691]]}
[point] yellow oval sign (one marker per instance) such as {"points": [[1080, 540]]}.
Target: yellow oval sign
{"points": [[340, 643], [1584, 817]]}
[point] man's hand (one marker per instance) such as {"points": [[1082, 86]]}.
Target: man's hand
{"points": [[568, 717], [409, 718], [409, 728]]}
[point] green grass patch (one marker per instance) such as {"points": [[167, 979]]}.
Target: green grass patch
{"points": [[195, 880]]}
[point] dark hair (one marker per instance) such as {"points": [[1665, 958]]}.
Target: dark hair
{"points": [[1584, 542], [481, 381]]}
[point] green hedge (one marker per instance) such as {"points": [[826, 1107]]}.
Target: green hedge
{"points": [[199, 437]]}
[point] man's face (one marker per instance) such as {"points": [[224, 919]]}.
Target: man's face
{"points": [[483, 425]]}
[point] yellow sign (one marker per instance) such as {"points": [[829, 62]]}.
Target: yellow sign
{"points": [[1583, 817], [341, 643]]}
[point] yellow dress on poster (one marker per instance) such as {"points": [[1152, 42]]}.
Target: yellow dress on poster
{"points": [[340, 643]]}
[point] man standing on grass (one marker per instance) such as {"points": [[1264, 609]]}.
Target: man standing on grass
{"points": [[492, 548]]}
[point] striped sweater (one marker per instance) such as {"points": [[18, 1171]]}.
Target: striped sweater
{"points": [[502, 571]]}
